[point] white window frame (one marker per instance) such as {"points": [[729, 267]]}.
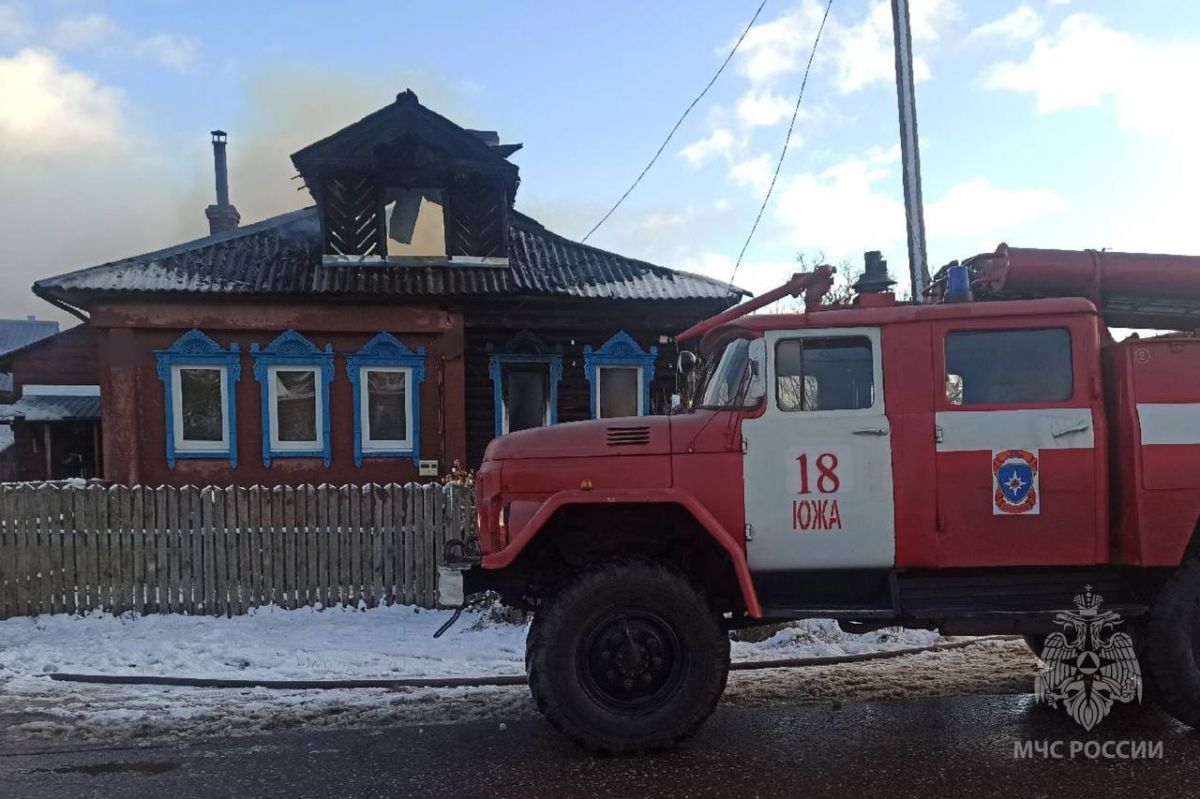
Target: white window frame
{"points": [[370, 444], [600, 369], [316, 445], [188, 445]]}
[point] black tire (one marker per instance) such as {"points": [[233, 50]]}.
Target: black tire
{"points": [[1173, 646], [627, 657]]}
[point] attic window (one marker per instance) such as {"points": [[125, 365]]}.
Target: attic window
{"points": [[415, 222]]}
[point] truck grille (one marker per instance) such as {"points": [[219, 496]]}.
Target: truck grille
{"points": [[628, 436]]}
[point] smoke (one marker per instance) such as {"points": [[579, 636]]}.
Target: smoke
{"points": [[147, 190], [286, 109]]}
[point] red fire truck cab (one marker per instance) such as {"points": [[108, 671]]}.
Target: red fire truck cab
{"points": [[966, 466]]}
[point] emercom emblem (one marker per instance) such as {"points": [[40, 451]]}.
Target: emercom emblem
{"points": [[1015, 476], [1088, 666]]}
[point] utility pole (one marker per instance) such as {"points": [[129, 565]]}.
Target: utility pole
{"points": [[910, 151]]}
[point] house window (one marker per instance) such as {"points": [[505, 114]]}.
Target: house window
{"points": [[619, 390], [295, 408], [619, 373], [386, 376], [294, 375], [525, 375], [198, 379], [201, 415], [526, 397]]}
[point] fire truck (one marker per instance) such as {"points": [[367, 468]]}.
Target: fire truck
{"points": [[968, 463]]}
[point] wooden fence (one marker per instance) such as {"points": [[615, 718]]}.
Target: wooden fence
{"points": [[223, 550]]}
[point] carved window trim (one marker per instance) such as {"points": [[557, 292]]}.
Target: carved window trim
{"points": [[194, 349], [620, 350], [291, 349], [523, 349], [386, 352]]}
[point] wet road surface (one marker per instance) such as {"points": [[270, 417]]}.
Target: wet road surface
{"points": [[949, 747]]}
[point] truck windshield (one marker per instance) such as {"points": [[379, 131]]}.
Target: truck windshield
{"points": [[726, 384]]}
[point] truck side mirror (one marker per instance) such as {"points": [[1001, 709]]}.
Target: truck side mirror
{"points": [[757, 364]]}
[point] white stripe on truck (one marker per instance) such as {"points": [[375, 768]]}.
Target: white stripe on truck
{"points": [[1169, 423], [1031, 429]]}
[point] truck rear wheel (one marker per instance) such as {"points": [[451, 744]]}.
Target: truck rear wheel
{"points": [[627, 657], [1174, 644]]}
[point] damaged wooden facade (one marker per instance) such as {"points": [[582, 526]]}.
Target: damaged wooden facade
{"points": [[383, 334]]}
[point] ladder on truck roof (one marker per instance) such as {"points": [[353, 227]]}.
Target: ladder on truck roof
{"points": [[1161, 292]]}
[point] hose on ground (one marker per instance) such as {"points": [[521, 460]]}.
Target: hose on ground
{"points": [[480, 682]]}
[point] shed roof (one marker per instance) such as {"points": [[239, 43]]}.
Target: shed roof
{"points": [[69, 405], [282, 256]]}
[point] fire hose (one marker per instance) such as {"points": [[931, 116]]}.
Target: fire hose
{"points": [[480, 682]]}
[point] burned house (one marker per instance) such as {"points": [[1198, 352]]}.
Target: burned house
{"points": [[393, 328]]}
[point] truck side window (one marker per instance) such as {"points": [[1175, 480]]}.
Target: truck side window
{"points": [[824, 374], [1008, 366]]}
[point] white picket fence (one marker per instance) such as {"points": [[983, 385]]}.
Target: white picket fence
{"points": [[208, 550]]}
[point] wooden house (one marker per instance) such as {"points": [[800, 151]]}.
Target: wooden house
{"points": [[396, 327]]}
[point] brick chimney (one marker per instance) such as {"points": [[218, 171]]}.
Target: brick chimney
{"points": [[222, 216]]}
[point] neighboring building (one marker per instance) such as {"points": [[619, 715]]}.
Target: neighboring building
{"points": [[407, 319], [15, 334], [18, 333]]}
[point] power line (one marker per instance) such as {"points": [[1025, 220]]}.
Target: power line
{"points": [[787, 140], [687, 111]]}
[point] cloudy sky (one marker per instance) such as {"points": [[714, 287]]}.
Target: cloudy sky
{"points": [[1052, 123]]}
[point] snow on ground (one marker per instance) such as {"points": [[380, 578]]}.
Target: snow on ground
{"points": [[269, 643], [307, 644], [381, 643]]}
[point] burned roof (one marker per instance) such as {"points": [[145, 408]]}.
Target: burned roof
{"points": [[282, 256], [362, 143]]}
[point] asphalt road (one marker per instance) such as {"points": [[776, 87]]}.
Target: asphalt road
{"points": [[950, 747]]}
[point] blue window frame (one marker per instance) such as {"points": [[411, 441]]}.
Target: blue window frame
{"points": [[525, 375], [198, 378], [628, 369], [294, 376], [387, 377]]}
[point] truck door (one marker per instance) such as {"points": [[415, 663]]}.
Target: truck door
{"points": [[1017, 425], [818, 462]]}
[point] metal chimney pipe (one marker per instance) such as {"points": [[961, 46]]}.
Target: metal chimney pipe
{"points": [[222, 216], [220, 167]]}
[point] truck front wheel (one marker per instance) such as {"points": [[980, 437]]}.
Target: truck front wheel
{"points": [[627, 657], [1174, 644]]}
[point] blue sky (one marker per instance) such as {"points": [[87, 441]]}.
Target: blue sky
{"points": [[1043, 123]]}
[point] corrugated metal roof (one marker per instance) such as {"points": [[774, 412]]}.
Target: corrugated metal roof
{"points": [[16, 333], [51, 408], [282, 255]]}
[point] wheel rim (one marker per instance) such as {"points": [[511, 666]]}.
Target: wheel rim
{"points": [[630, 660]]}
